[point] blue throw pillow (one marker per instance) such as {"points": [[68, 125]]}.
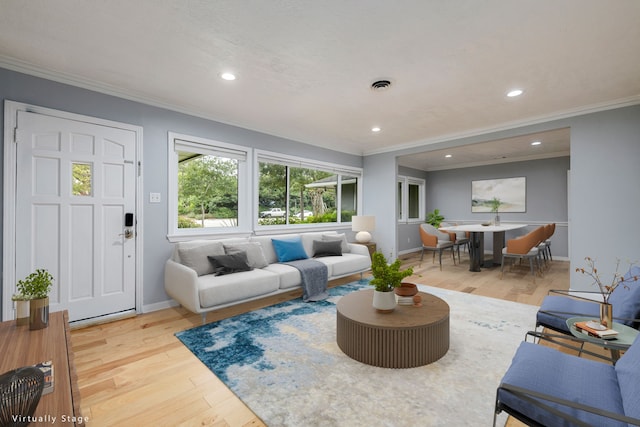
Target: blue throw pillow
{"points": [[289, 249]]}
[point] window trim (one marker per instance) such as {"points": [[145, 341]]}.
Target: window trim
{"points": [[211, 147], [405, 181], [301, 162]]}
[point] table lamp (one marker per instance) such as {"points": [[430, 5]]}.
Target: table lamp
{"points": [[363, 224]]}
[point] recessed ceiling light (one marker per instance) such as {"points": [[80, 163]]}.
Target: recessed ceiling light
{"points": [[536, 143], [514, 92], [448, 156], [375, 129], [228, 76]]}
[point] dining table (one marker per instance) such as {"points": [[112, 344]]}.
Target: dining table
{"points": [[476, 240]]}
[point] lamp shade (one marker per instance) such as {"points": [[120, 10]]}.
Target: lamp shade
{"points": [[363, 224]]}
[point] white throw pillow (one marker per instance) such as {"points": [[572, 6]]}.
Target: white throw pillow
{"points": [[255, 256], [195, 255]]}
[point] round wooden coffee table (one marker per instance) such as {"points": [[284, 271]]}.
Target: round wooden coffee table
{"points": [[410, 336]]}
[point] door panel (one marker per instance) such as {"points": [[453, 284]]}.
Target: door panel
{"points": [[75, 182]]}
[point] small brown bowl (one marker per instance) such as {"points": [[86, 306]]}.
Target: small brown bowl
{"points": [[406, 290]]}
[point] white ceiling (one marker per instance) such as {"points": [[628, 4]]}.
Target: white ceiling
{"points": [[304, 67]]}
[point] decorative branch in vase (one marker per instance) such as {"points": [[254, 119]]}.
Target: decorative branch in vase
{"points": [[606, 310]]}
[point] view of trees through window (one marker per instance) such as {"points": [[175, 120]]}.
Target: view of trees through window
{"points": [[293, 195], [207, 191]]}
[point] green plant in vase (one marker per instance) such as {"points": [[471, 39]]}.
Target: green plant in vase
{"points": [[495, 204], [387, 277], [36, 287]]}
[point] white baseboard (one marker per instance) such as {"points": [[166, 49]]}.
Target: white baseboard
{"points": [[148, 308]]}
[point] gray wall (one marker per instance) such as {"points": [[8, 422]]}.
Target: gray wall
{"points": [[156, 122], [450, 191]]}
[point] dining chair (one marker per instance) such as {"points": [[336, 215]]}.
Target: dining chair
{"points": [[436, 241], [524, 247]]}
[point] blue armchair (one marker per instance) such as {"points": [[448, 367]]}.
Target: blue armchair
{"points": [[558, 306], [546, 387]]}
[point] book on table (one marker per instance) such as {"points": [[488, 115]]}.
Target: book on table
{"points": [[47, 370], [605, 334]]}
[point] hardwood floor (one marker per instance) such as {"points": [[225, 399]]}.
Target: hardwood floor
{"points": [[136, 372]]}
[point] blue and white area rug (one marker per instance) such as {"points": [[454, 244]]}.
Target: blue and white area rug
{"points": [[283, 362]]}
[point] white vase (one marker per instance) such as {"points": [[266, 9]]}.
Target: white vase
{"points": [[384, 302]]}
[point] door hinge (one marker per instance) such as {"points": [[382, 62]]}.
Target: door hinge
{"points": [[16, 134], [139, 168]]}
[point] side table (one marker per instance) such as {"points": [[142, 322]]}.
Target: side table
{"points": [[371, 246], [624, 339]]}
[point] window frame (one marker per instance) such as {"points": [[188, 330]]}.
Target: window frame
{"points": [[210, 147], [301, 162], [403, 214]]}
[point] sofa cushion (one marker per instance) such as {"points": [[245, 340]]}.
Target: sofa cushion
{"points": [[556, 309], [229, 264], [289, 249], [331, 248], [289, 276], [194, 255], [346, 264], [232, 288], [339, 237], [255, 255]]}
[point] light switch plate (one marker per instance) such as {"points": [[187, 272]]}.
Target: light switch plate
{"points": [[155, 197]]}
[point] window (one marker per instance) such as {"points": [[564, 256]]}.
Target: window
{"points": [[297, 191], [208, 186], [410, 199]]}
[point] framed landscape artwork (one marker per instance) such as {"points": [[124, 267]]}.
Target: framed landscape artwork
{"points": [[512, 193]]}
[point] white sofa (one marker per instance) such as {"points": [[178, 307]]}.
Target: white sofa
{"points": [[190, 280]]}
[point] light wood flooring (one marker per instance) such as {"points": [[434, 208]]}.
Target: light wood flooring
{"points": [[136, 372]]}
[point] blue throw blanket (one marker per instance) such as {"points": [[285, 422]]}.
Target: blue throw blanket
{"points": [[314, 278]]}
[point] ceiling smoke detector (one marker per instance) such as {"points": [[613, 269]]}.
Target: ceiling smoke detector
{"points": [[380, 85]]}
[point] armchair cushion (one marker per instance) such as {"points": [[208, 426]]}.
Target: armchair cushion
{"points": [[540, 369], [628, 371], [626, 299], [556, 309]]}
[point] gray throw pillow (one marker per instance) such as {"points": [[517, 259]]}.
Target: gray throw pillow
{"points": [[228, 264], [195, 256], [255, 256], [322, 248], [338, 237]]}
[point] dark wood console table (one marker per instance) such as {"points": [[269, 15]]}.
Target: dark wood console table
{"points": [[20, 347]]}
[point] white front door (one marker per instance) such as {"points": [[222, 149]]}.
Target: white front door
{"points": [[75, 185]]}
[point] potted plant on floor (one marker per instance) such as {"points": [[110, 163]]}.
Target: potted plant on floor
{"points": [[386, 277], [36, 286]]}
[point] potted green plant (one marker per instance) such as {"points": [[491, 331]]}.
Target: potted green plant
{"points": [[386, 277], [36, 287], [434, 218], [22, 309]]}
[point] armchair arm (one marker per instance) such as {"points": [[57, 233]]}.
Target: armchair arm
{"points": [[536, 399]]}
